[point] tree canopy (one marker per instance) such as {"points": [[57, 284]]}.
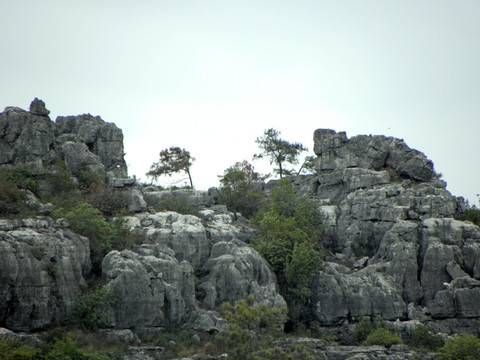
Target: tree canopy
{"points": [[278, 151], [172, 160]]}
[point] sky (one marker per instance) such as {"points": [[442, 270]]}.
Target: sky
{"points": [[211, 76]]}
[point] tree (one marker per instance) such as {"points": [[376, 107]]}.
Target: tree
{"points": [[288, 236], [172, 160], [278, 151], [238, 189]]}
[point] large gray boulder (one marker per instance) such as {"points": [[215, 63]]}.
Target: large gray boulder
{"points": [[43, 267], [151, 287], [185, 268]]}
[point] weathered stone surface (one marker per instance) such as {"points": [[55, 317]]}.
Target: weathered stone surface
{"points": [[37, 107], [42, 269], [151, 286], [236, 271], [31, 139], [370, 152]]}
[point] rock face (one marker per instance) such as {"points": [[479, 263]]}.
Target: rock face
{"points": [[43, 267], [398, 252], [184, 269], [31, 139]]}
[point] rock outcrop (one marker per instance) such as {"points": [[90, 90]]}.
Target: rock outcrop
{"points": [[397, 250], [43, 267], [31, 139], [184, 269]]}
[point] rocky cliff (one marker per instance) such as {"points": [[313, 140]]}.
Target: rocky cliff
{"points": [[31, 139], [396, 249]]}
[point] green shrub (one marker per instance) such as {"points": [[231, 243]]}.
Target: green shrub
{"points": [[90, 310], [248, 327], [174, 202], [109, 201], [288, 236], [123, 236], [237, 190], [11, 198], [424, 338], [61, 180], [85, 220], [16, 350], [472, 214], [463, 347], [299, 352], [362, 329], [382, 336], [87, 177], [66, 348]]}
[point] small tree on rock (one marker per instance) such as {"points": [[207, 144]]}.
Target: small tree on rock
{"points": [[172, 160], [278, 151]]}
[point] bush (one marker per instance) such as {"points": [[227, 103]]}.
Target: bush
{"points": [[11, 198], [124, 237], [109, 201], [237, 190], [463, 347], [85, 220], [89, 312], [173, 202], [248, 325], [362, 329], [288, 237], [382, 336], [424, 338], [472, 214], [16, 350]]}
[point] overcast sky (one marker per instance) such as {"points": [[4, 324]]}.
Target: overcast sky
{"points": [[211, 76]]}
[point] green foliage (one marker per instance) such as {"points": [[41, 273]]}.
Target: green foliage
{"points": [[66, 348], [278, 151], [87, 177], [16, 350], [424, 339], [288, 237], [472, 214], [23, 178], [248, 325], [61, 180], [123, 236], [362, 329], [89, 312], [110, 202], [377, 333], [172, 160], [382, 336], [61, 348], [85, 220], [299, 352], [176, 203], [463, 347], [237, 189], [11, 197]]}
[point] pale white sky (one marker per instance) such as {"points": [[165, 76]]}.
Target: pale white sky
{"points": [[210, 76]]}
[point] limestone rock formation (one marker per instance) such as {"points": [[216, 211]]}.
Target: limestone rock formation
{"points": [[184, 269], [31, 139], [397, 250], [43, 266]]}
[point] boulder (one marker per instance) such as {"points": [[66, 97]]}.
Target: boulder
{"points": [[43, 267], [151, 287]]}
